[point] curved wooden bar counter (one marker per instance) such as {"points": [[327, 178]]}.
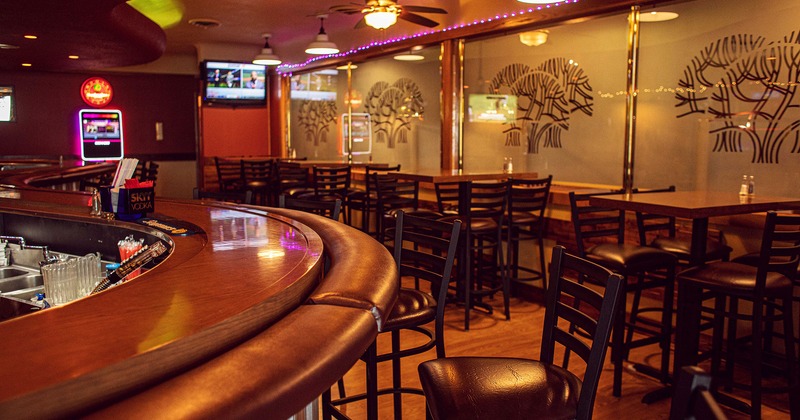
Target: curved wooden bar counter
{"points": [[238, 321]]}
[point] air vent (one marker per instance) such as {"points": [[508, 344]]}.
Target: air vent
{"points": [[205, 23]]}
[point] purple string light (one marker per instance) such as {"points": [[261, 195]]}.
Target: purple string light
{"points": [[287, 68]]}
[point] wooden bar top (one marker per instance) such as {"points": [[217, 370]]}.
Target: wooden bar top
{"points": [[252, 275]]}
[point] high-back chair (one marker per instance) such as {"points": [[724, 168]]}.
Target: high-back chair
{"points": [[393, 195], [365, 200], [600, 238], [229, 174], [527, 201], [257, 176], [331, 209], [423, 249], [766, 285], [291, 178], [239, 197], [513, 388]]}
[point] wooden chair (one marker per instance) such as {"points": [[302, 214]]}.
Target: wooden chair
{"points": [[600, 237], [291, 179], [511, 388], [768, 287], [330, 209], [692, 398], [527, 201], [423, 249], [239, 197]]}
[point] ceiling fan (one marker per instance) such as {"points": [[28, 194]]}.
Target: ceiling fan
{"points": [[381, 14]]}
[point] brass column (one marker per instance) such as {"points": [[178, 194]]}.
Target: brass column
{"points": [[452, 100], [631, 99]]}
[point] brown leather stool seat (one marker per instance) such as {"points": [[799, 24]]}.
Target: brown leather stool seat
{"points": [[737, 279], [500, 388], [627, 257], [715, 250]]}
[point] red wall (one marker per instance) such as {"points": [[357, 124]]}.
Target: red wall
{"points": [[235, 131], [47, 106]]}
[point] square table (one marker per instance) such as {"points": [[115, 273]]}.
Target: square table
{"points": [[697, 206], [435, 176]]}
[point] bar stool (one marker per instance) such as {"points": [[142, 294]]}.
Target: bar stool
{"points": [[764, 286], [290, 178], [423, 249], [229, 174], [509, 388], [527, 201], [482, 225], [393, 195], [365, 201], [651, 267], [257, 177]]}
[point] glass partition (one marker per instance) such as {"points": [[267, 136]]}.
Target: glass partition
{"points": [[718, 97], [395, 111], [569, 121]]}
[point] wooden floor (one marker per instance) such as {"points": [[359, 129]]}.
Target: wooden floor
{"points": [[492, 335]]}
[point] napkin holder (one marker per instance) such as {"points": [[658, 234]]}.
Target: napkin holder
{"points": [[128, 203]]}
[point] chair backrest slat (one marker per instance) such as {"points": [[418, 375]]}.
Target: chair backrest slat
{"points": [[780, 247], [411, 260], [326, 208], [563, 289], [594, 221]]}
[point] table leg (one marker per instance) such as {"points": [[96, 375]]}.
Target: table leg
{"points": [[699, 240]]}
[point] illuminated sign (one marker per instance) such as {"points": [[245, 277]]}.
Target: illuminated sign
{"points": [[96, 92], [101, 134]]}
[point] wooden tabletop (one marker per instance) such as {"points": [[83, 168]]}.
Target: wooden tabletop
{"points": [[456, 175], [695, 204]]}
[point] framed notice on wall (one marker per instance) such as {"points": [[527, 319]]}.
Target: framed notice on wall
{"points": [[362, 134], [7, 112]]}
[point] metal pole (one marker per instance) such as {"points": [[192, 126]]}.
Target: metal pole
{"points": [[631, 99], [349, 113]]}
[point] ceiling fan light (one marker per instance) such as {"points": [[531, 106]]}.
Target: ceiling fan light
{"points": [[380, 19], [321, 46]]}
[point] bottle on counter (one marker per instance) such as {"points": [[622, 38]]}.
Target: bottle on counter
{"points": [[745, 188], [751, 186]]}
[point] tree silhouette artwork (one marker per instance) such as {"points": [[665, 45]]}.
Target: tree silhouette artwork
{"points": [[748, 86], [546, 97], [392, 108], [315, 118]]}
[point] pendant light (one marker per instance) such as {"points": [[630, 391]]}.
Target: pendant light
{"points": [[321, 44], [267, 57]]}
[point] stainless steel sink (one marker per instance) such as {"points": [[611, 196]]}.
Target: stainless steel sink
{"points": [[26, 281], [9, 272]]}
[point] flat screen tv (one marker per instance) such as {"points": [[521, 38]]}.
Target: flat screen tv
{"points": [[233, 84]]}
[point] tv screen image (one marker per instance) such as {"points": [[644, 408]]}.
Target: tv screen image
{"points": [[493, 108], [234, 83]]}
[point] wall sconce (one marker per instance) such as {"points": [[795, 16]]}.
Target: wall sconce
{"points": [[534, 38]]}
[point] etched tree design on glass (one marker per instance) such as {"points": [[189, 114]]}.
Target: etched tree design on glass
{"points": [[748, 86], [392, 108], [546, 97], [315, 118]]}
